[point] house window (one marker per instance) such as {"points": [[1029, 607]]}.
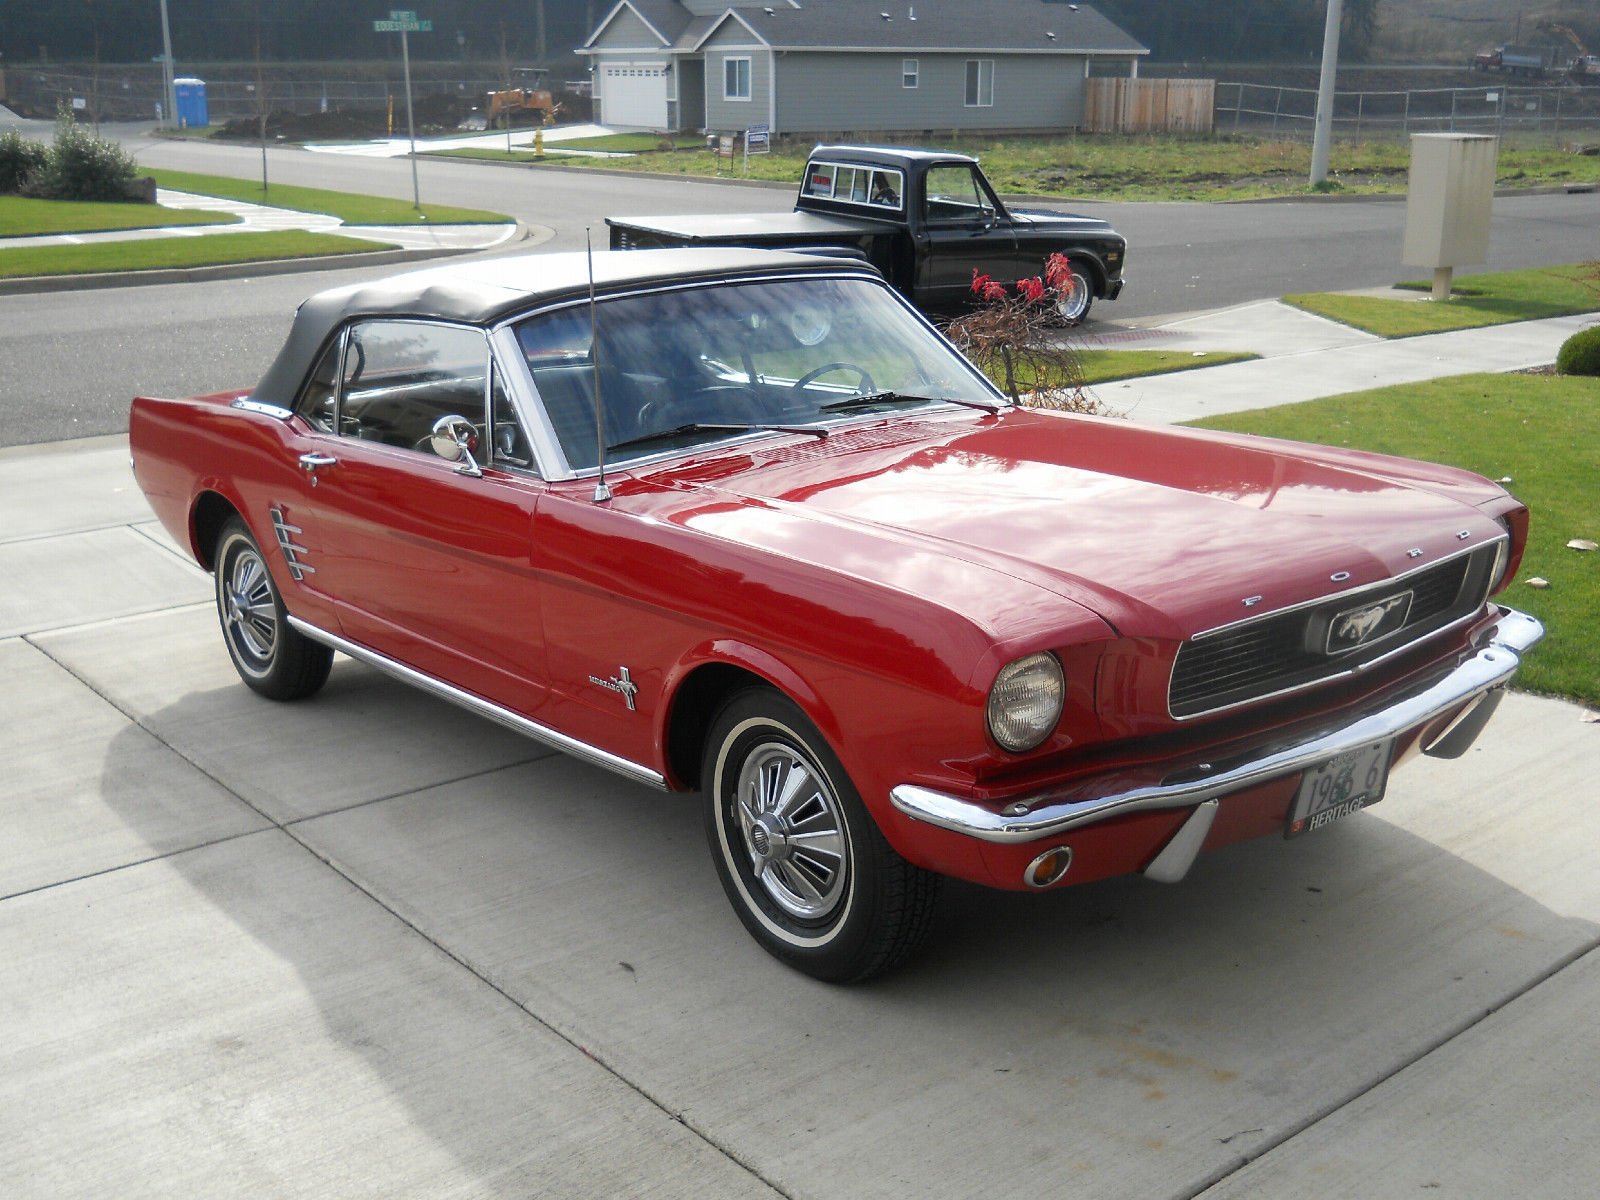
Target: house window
{"points": [[980, 83], [908, 72], [736, 79]]}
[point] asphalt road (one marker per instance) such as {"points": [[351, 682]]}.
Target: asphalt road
{"points": [[73, 360]]}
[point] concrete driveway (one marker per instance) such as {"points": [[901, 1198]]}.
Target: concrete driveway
{"points": [[367, 945]]}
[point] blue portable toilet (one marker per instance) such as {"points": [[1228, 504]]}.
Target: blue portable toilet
{"points": [[190, 97]]}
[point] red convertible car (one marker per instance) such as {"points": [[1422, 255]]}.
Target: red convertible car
{"points": [[744, 523]]}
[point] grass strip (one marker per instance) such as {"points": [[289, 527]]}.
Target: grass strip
{"points": [[21, 216], [1152, 166], [1108, 366], [1494, 298], [1540, 431], [614, 143], [348, 207], [157, 253]]}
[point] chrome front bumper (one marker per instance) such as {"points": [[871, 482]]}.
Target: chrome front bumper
{"points": [[1048, 813]]}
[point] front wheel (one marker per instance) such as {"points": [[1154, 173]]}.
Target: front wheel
{"points": [[270, 656], [1076, 293], [807, 870]]}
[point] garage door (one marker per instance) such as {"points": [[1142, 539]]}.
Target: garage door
{"points": [[634, 94]]}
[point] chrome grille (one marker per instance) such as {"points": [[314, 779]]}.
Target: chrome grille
{"points": [[1282, 652]]}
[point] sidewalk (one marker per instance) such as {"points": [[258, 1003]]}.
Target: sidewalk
{"points": [[398, 147], [260, 218], [1307, 357]]}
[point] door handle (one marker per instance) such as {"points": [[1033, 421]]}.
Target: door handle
{"points": [[310, 462]]}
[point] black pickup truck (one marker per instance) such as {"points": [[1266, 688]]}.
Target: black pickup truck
{"points": [[927, 219]]}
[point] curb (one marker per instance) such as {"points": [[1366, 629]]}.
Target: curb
{"points": [[39, 284]]}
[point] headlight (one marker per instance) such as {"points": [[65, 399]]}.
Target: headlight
{"points": [[1502, 556], [1025, 702]]}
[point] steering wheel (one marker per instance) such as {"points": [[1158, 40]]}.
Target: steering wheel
{"points": [[725, 402], [864, 383]]}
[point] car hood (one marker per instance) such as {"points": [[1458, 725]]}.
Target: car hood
{"points": [[1040, 218], [1160, 532]]}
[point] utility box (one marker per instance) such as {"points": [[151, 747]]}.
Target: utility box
{"points": [[1449, 200], [190, 98]]}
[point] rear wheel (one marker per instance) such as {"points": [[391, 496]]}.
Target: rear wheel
{"points": [[1076, 294], [270, 656], [804, 865]]}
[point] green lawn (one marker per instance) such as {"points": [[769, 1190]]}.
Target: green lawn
{"points": [[349, 208], [20, 216], [1156, 166], [1543, 432], [1476, 300], [156, 253]]}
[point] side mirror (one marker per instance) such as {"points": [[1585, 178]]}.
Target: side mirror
{"points": [[453, 439]]}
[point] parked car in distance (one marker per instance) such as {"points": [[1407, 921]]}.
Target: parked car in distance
{"points": [[744, 523], [927, 219]]}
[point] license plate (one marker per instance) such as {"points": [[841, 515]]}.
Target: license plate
{"points": [[1343, 785]]}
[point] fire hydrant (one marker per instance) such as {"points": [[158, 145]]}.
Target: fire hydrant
{"points": [[538, 143]]}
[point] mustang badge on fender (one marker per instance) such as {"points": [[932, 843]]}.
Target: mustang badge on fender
{"points": [[624, 686]]}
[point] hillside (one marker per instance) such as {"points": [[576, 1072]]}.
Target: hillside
{"points": [[1450, 30]]}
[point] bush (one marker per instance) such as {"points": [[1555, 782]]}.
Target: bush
{"points": [[1580, 353], [19, 158], [80, 166]]}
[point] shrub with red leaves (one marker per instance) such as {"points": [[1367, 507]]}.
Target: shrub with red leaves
{"points": [[1016, 340]]}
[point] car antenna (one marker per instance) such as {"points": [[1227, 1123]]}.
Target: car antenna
{"points": [[602, 493]]}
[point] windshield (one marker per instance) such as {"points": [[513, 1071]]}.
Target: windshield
{"points": [[683, 367]]}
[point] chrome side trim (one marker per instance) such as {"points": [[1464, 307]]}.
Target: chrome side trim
{"points": [[1178, 855], [485, 708], [1048, 814], [277, 411]]}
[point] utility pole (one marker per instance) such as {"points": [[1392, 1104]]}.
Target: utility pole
{"points": [[1323, 137], [261, 104], [171, 115]]}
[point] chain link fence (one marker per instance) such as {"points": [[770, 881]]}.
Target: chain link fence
{"points": [[124, 94], [1288, 112]]}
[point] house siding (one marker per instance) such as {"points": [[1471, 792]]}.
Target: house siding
{"points": [[628, 32], [733, 40], [691, 85], [820, 93]]}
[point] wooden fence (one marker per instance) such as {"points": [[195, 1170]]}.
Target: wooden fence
{"points": [[1148, 105]]}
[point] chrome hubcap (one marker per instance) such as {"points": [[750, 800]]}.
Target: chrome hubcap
{"points": [[247, 608], [794, 831], [1071, 303]]}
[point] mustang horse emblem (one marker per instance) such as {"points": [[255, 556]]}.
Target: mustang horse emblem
{"points": [[1355, 627]]}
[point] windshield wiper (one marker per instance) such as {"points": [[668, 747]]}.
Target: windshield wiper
{"points": [[663, 435], [872, 398]]}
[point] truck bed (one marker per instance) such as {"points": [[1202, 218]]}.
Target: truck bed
{"points": [[752, 229]]}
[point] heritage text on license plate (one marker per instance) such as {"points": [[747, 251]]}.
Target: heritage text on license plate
{"points": [[1343, 785]]}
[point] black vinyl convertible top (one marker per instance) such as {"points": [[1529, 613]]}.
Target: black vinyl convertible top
{"points": [[486, 291]]}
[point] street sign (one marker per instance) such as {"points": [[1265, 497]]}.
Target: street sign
{"points": [[402, 22]]}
